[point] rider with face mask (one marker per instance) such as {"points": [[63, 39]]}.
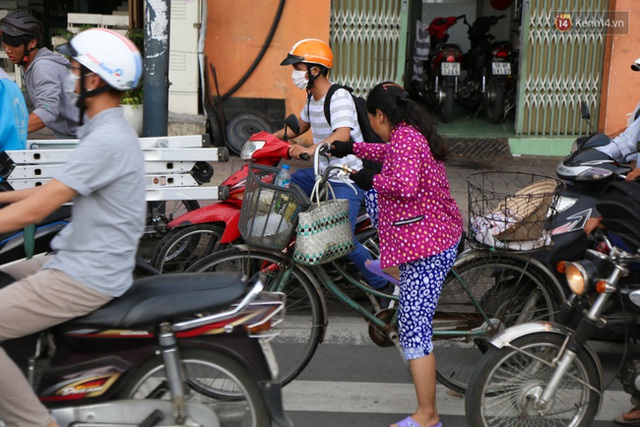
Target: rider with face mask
{"points": [[94, 255], [44, 73], [312, 60]]}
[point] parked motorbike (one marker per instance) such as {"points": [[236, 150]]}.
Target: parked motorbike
{"points": [[211, 228], [488, 65], [188, 350], [547, 373], [442, 68], [586, 173]]}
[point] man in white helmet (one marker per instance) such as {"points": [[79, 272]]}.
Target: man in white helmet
{"points": [[94, 256]]}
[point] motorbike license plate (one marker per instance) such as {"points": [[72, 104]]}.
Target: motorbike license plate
{"points": [[501, 68], [450, 68]]}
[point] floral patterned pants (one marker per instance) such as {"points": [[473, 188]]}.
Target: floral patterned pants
{"points": [[420, 286]]}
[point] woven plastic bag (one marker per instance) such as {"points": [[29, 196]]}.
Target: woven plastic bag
{"points": [[324, 231]]}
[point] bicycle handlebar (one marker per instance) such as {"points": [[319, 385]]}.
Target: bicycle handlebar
{"points": [[342, 175]]}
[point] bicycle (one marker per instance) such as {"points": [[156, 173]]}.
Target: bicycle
{"points": [[486, 291]]}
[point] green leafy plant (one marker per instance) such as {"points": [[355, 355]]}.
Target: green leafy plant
{"points": [[134, 96]]}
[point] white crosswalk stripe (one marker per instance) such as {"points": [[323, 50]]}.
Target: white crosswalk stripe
{"points": [[381, 398]]}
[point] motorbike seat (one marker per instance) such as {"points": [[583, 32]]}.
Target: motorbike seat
{"points": [[166, 297]]}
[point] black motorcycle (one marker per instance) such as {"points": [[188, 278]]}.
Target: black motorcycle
{"points": [[488, 63], [546, 373], [182, 349], [443, 67]]}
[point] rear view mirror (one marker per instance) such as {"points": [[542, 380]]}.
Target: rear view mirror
{"points": [[292, 122], [586, 114]]}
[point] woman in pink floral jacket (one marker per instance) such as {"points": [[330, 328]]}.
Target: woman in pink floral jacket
{"points": [[419, 225]]}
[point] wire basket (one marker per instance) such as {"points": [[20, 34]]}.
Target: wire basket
{"points": [[512, 210], [269, 213]]}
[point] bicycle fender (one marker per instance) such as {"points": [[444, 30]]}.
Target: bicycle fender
{"points": [[512, 333], [553, 282]]}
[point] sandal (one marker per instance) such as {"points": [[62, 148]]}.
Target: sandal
{"points": [[410, 422], [621, 420], [374, 267]]}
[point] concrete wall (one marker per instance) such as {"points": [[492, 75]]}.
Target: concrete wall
{"points": [[621, 92], [236, 31]]}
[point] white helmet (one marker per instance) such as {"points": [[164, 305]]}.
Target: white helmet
{"points": [[636, 65], [110, 55]]}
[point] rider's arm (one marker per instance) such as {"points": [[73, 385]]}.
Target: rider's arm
{"points": [[15, 196], [36, 206], [623, 145], [340, 134], [35, 123]]}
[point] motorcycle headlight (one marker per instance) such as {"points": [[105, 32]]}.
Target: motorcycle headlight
{"points": [[583, 275], [577, 277], [249, 148], [594, 174]]}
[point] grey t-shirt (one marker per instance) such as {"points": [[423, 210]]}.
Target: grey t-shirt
{"points": [[44, 79], [98, 247]]}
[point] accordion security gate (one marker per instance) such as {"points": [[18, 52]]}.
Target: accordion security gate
{"points": [[365, 38], [559, 68]]}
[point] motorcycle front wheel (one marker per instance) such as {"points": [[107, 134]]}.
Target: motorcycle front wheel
{"points": [[506, 379], [183, 246], [209, 374]]}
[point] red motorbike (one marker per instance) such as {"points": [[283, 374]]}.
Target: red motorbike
{"points": [[214, 227]]}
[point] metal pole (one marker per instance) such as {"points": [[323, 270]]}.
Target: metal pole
{"points": [[156, 68]]}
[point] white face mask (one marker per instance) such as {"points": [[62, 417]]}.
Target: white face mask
{"points": [[69, 87], [299, 79]]}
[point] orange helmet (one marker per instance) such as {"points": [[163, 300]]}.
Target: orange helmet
{"points": [[310, 51]]}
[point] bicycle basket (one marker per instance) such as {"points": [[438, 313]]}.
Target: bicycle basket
{"points": [[269, 213], [512, 210]]}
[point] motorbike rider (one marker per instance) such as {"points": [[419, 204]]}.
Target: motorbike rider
{"points": [[94, 256], [13, 110], [312, 60], [623, 148], [44, 73]]}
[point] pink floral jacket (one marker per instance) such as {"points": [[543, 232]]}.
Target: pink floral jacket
{"points": [[418, 217]]}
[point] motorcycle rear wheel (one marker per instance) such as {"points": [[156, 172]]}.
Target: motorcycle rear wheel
{"points": [[505, 377], [494, 101], [447, 103], [508, 291], [209, 374]]}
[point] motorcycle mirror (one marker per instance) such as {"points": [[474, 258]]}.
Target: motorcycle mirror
{"points": [[292, 122], [586, 114]]}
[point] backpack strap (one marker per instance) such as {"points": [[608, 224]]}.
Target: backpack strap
{"points": [[327, 99]]}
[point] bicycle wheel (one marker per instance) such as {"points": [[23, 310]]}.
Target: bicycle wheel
{"points": [[159, 214], [208, 373], [505, 289], [300, 332], [506, 377], [182, 247]]}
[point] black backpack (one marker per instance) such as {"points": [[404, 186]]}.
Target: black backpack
{"points": [[368, 134]]}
